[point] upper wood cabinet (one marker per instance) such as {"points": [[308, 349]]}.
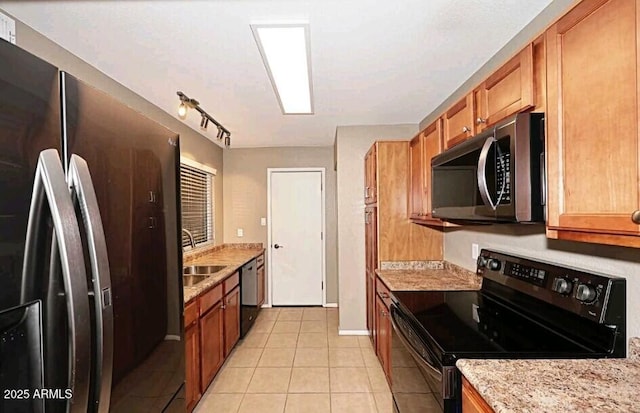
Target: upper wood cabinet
{"points": [[593, 161], [370, 184], [423, 148], [416, 210], [459, 121], [507, 91]]}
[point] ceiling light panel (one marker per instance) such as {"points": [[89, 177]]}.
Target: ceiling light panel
{"points": [[285, 51]]}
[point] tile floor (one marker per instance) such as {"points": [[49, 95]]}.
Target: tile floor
{"points": [[294, 361]]}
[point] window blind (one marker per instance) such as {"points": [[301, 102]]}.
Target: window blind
{"points": [[197, 201]]}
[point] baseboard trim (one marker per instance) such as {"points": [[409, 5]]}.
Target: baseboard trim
{"points": [[353, 333], [172, 337], [331, 305]]}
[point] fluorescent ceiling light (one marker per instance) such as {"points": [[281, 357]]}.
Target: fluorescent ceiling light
{"points": [[285, 52]]}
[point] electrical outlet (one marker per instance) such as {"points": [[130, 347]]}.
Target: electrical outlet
{"points": [[240, 232], [475, 251], [263, 221]]}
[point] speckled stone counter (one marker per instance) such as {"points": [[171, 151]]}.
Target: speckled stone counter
{"points": [[450, 277], [554, 386], [233, 256]]}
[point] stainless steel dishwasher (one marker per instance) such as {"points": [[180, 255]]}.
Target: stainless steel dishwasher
{"points": [[249, 307]]}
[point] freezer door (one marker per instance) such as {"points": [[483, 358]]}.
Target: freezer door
{"points": [[84, 194], [60, 280]]}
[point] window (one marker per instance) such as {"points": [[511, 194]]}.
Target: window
{"points": [[197, 199]]}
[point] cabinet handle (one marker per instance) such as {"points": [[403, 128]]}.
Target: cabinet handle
{"points": [[635, 217], [224, 306], [466, 129], [480, 120], [384, 295]]}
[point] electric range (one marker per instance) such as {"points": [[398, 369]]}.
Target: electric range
{"points": [[525, 309]]}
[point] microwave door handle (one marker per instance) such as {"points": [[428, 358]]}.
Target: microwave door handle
{"points": [[482, 173], [81, 183], [50, 186]]}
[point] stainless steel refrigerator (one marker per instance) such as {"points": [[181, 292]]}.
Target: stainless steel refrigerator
{"points": [[90, 253]]}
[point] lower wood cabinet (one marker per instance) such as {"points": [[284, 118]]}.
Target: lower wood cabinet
{"points": [[383, 327], [192, 356], [231, 309], [261, 284], [212, 329], [472, 402], [211, 343]]}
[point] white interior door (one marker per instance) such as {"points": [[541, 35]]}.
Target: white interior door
{"points": [[296, 238]]}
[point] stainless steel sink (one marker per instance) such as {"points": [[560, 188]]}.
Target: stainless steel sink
{"points": [[191, 280], [202, 269]]}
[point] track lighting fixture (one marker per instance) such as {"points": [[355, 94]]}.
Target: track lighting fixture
{"points": [[189, 103]]}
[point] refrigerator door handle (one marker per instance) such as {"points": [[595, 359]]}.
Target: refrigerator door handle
{"points": [[79, 179], [50, 186]]}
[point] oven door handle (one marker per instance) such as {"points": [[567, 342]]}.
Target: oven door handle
{"points": [[437, 373]]}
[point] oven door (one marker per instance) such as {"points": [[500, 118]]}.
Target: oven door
{"points": [[419, 382]]}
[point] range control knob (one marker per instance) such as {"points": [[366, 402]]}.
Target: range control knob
{"points": [[482, 261], [494, 264], [586, 293], [562, 286]]}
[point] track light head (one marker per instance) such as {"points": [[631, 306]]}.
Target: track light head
{"points": [[220, 133], [204, 122], [182, 110], [227, 140]]}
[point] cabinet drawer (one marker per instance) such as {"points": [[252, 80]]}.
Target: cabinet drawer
{"points": [[383, 292], [260, 261], [190, 313], [231, 282], [210, 298]]}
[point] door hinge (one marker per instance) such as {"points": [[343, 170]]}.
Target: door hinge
{"points": [[322, 284], [320, 186], [321, 235]]}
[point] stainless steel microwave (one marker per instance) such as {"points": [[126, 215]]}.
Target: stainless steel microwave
{"points": [[497, 175]]}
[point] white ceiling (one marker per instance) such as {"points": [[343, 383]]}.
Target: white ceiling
{"points": [[373, 62]]}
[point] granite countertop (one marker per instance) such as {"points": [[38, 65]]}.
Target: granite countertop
{"points": [[546, 386], [445, 276], [233, 256]]}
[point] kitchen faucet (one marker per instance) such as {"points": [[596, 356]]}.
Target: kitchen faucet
{"points": [[190, 235]]}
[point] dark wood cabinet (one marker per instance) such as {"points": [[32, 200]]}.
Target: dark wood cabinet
{"points": [[192, 356], [231, 309], [383, 337], [211, 343]]}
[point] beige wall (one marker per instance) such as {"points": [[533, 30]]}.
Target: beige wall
{"points": [[352, 143], [192, 144], [245, 195]]}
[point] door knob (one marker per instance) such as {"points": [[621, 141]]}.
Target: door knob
{"points": [[278, 246], [635, 217]]}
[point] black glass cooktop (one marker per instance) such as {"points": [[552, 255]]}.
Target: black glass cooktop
{"points": [[458, 324]]}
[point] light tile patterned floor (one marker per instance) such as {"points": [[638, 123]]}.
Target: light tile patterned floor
{"points": [[294, 361]]}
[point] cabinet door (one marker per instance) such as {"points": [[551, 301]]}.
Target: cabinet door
{"points": [[383, 343], [231, 320], [416, 210], [472, 402], [459, 121], [592, 123], [507, 91], [373, 175], [431, 146], [261, 286], [192, 363], [211, 344]]}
